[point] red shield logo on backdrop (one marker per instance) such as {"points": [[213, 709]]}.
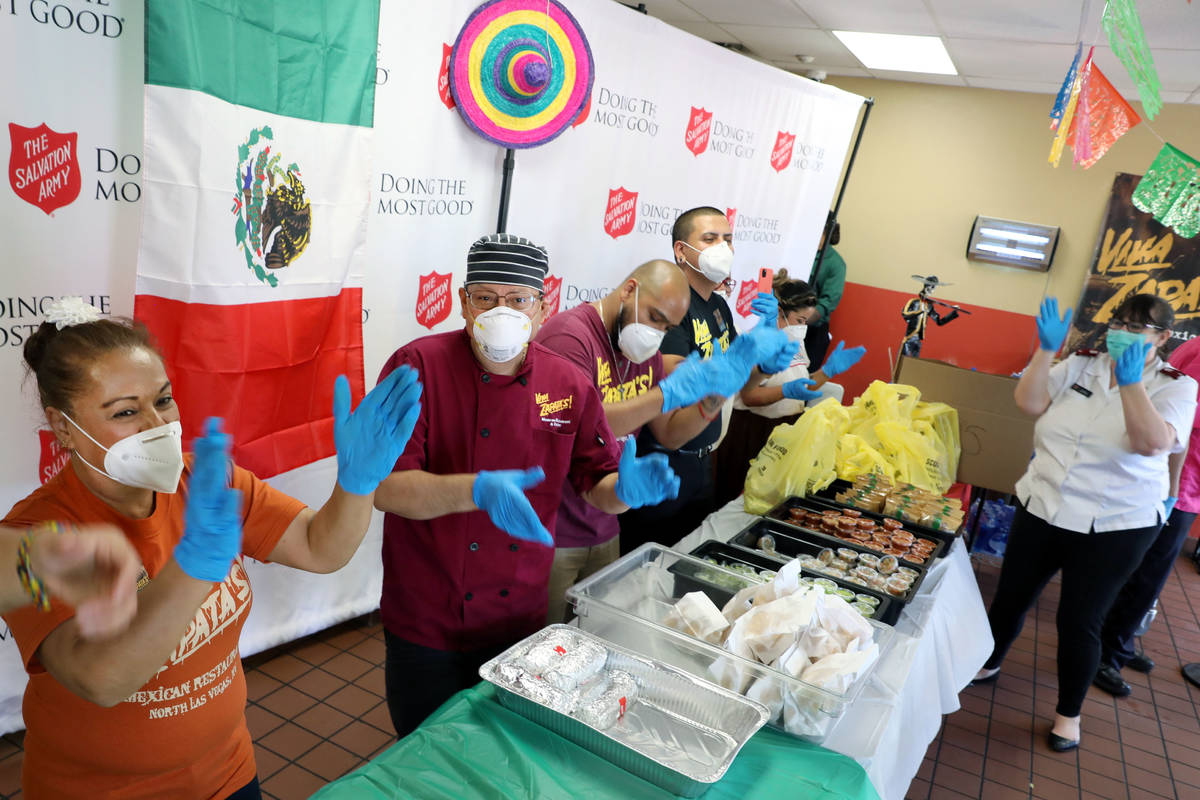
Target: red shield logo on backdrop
{"points": [[698, 129], [621, 213], [54, 456], [433, 299], [552, 295], [781, 153], [583, 114], [43, 166], [444, 77], [731, 215], [747, 291]]}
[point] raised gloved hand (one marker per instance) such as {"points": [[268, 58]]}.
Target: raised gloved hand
{"points": [[1169, 505], [798, 390], [765, 346], [688, 383], [645, 481], [1052, 330], [766, 306], [1132, 362], [212, 520], [372, 439], [501, 493], [841, 359]]}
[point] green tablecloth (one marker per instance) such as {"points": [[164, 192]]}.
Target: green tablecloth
{"points": [[473, 747]]}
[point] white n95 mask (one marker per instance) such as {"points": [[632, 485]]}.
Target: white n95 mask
{"points": [[714, 263], [638, 341], [796, 333], [152, 459], [502, 333]]}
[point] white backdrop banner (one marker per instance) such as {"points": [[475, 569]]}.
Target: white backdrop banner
{"points": [[674, 122]]}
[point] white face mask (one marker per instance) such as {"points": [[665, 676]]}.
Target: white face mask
{"points": [[502, 333], [795, 333], [152, 459], [638, 341], [714, 263]]}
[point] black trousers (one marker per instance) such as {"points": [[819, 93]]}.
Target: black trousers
{"points": [[419, 679], [667, 523], [816, 344], [250, 791], [1141, 590], [1094, 568]]}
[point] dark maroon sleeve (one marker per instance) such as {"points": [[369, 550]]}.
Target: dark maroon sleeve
{"points": [[596, 452], [565, 336], [413, 456]]}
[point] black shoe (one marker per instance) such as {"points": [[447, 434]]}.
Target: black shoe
{"points": [[1192, 673], [1110, 680], [982, 681], [1059, 744], [1140, 663]]}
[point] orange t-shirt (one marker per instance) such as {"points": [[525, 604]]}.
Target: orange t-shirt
{"points": [[183, 734]]}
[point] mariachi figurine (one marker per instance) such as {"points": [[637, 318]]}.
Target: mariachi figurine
{"points": [[919, 309]]}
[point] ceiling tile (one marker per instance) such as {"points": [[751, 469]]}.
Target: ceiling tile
{"points": [[1023, 20], [1006, 85], [1178, 70], [706, 30], [796, 68], [851, 72], [918, 77], [1166, 23], [871, 16], [668, 10], [984, 58], [780, 44], [754, 12]]}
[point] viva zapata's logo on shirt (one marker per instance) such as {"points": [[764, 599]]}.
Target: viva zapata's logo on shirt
{"points": [[698, 130], [781, 153], [43, 166], [433, 299], [551, 295], [621, 212], [54, 456], [444, 77]]}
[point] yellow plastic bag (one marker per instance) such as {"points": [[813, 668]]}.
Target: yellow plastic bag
{"points": [[798, 458], [911, 455], [855, 457], [943, 421]]}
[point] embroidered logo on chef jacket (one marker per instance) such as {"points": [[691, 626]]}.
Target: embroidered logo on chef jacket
{"points": [[550, 411]]}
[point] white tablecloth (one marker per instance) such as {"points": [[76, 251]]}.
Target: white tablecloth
{"points": [[945, 640]]}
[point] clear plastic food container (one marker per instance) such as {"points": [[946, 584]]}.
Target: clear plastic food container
{"points": [[627, 601]]}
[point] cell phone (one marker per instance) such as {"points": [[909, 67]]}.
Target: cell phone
{"points": [[765, 277]]}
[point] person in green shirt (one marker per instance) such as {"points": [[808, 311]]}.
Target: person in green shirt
{"points": [[828, 281]]}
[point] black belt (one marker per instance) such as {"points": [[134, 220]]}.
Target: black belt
{"points": [[701, 453]]}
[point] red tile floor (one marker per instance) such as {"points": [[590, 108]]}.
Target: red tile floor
{"points": [[316, 712]]}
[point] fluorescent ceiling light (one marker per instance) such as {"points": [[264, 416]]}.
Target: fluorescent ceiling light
{"points": [[1019, 237], [897, 52], [1009, 251]]}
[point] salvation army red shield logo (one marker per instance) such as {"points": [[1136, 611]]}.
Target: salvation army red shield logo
{"points": [[698, 129], [731, 215], [621, 212], [43, 166], [54, 456], [747, 291], [551, 294], [781, 153], [433, 299], [444, 76]]}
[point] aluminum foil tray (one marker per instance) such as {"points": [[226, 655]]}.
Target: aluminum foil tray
{"points": [[681, 733]]}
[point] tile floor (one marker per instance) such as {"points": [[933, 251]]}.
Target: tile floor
{"points": [[316, 712]]}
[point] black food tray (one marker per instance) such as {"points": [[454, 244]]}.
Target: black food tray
{"points": [[887, 612], [780, 512]]}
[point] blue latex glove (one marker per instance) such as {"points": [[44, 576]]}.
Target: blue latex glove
{"points": [[766, 306], [1132, 362], [212, 520], [372, 439], [1169, 505], [841, 359], [1052, 330], [645, 481], [798, 390], [765, 346], [690, 381], [501, 493]]}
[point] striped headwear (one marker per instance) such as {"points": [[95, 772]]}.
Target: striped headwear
{"points": [[507, 259]]}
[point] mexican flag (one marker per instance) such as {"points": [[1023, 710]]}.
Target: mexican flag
{"points": [[256, 181]]}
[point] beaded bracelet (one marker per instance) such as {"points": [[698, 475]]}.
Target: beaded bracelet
{"points": [[29, 580]]}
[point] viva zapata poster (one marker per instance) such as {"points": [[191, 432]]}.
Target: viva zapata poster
{"points": [[1135, 254]]}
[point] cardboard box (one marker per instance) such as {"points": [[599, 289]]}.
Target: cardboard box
{"points": [[997, 438]]}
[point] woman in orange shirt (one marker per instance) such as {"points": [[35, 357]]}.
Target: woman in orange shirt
{"points": [[158, 710]]}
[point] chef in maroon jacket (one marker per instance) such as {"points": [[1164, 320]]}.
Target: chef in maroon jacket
{"points": [[471, 505]]}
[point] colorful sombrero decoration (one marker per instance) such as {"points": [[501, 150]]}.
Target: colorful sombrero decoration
{"points": [[520, 71]]}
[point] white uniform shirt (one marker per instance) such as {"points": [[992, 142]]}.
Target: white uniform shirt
{"points": [[1084, 476]]}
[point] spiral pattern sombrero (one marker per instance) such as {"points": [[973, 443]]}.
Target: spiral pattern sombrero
{"points": [[520, 71]]}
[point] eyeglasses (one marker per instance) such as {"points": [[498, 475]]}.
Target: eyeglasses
{"points": [[518, 301], [1132, 327]]}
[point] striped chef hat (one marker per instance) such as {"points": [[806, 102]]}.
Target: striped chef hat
{"points": [[507, 259]]}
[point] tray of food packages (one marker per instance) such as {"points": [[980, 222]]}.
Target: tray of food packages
{"points": [[782, 642], [848, 562], [871, 603], [653, 720], [921, 511], [883, 537]]}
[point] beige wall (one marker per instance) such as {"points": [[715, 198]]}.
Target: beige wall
{"points": [[933, 157]]}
